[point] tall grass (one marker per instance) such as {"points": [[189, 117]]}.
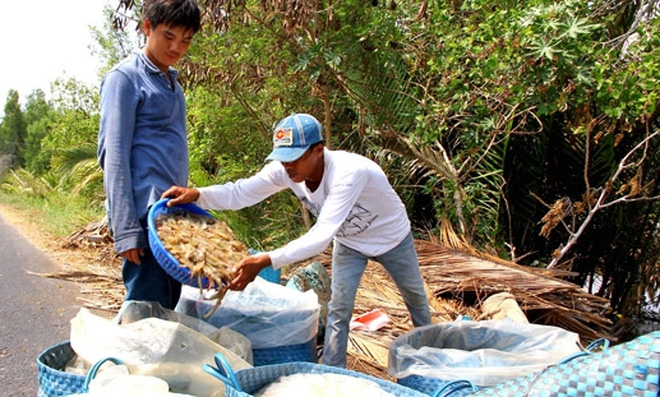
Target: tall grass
{"points": [[57, 213]]}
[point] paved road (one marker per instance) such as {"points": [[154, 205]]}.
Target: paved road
{"points": [[34, 311]]}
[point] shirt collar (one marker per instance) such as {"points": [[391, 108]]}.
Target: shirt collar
{"points": [[151, 68]]}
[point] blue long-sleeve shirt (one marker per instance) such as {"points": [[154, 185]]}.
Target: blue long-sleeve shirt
{"points": [[142, 146]]}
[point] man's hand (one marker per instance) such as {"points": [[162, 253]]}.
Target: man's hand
{"points": [[180, 195], [133, 255], [247, 271]]}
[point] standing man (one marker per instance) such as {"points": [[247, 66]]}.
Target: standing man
{"points": [[142, 146], [354, 205]]}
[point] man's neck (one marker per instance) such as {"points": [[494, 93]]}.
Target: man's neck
{"points": [[314, 180]]}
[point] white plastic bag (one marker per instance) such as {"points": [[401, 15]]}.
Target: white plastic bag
{"points": [[152, 346], [268, 314], [132, 311]]}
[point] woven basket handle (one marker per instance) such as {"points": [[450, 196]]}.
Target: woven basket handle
{"points": [[95, 369], [451, 387], [597, 345], [223, 371]]}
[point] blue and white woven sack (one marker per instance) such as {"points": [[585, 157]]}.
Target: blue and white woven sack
{"points": [[247, 382], [627, 369]]}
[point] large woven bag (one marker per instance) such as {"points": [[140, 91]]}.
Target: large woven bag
{"points": [[245, 382], [53, 380], [627, 369]]}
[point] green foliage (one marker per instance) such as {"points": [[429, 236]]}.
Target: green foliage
{"points": [[60, 144], [22, 182], [71, 139], [79, 171], [442, 87], [113, 45], [72, 95]]}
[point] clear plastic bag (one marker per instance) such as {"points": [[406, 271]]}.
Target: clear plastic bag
{"points": [[483, 352], [268, 314]]}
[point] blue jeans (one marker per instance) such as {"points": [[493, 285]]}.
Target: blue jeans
{"points": [[347, 268], [148, 281]]}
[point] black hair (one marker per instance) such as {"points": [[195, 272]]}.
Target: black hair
{"points": [[173, 13]]}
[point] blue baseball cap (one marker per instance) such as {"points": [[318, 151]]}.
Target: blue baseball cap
{"points": [[293, 136]]}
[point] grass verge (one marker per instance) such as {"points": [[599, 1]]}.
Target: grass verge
{"points": [[57, 214]]}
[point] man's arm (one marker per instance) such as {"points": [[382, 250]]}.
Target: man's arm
{"points": [[118, 110]]}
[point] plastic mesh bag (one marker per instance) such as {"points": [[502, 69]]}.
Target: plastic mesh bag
{"points": [[314, 277]]}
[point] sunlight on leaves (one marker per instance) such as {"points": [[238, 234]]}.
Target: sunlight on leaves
{"points": [[578, 26]]}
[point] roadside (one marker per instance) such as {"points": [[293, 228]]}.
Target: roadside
{"points": [[22, 220], [35, 313], [95, 270]]}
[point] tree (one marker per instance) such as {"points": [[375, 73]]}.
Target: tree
{"points": [[38, 117], [113, 43], [13, 129], [71, 140]]}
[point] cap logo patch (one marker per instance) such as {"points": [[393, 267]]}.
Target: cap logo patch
{"points": [[283, 137]]}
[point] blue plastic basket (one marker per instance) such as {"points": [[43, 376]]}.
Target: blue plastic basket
{"points": [[246, 382], [53, 380], [166, 260]]}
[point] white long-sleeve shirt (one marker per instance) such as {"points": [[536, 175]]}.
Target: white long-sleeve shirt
{"points": [[354, 204]]}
